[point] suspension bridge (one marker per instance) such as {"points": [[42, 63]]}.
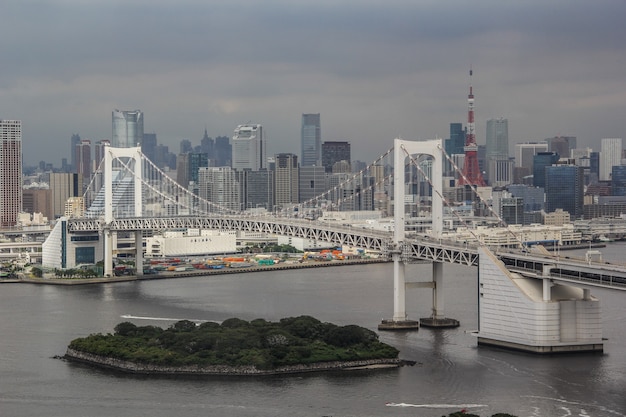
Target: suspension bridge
{"points": [[528, 300]]}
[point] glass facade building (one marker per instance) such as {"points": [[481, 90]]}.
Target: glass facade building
{"points": [[311, 140], [565, 189], [618, 180], [540, 162], [127, 128]]}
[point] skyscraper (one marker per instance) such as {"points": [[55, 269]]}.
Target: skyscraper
{"points": [[540, 162], [497, 138], [286, 180], [75, 140], [564, 189], [248, 147], [610, 156], [311, 140], [83, 160], [333, 152], [148, 146], [127, 128], [10, 172]]}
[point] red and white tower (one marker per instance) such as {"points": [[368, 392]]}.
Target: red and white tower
{"points": [[471, 171]]}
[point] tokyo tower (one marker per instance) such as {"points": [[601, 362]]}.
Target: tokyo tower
{"points": [[471, 171]]}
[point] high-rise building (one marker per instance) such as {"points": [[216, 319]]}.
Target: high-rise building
{"points": [[610, 156], [74, 140], [257, 189], [312, 182], [185, 146], [333, 152], [525, 152], [148, 145], [500, 170], [127, 128], [63, 186], [286, 180], [220, 186], [83, 160], [497, 147], [540, 162], [311, 140], [497, 138], [99, 149], [10, 172], [249, 148], [618, 180], [565, 189], [223, 151], [187, 166], [562, 145], [207, 146]]}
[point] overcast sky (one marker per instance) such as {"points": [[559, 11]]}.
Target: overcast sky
{"points": [[375, 70]]}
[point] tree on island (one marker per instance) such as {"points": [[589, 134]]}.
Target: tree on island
{"points": [[236, 342]]}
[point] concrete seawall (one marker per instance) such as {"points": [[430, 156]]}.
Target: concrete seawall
{"points": [[140, 368], [197, 273]]}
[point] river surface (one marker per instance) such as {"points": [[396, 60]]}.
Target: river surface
{"points": [[38, 321]]}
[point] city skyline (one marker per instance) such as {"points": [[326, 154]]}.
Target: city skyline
{"points": [[374, 70]]}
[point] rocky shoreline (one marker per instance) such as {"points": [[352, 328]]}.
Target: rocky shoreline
{"points": [[140, 368]]}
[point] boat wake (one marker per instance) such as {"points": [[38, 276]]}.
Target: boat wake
{"points": [[128, 316], [435, 405]]}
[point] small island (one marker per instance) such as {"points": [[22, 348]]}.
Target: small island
{"points": [[235, 347]]}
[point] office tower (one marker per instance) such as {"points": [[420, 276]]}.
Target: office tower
{"points": [[540, 162], [497, 147], [610, 156], [10, 172], [185, 146], [565, 189], [500, 170], [286, 180], [456, 142], [249, 148], [257, 189], [148, 145], [497, 137], [562, 145], [533, 197], [311, 140], [312, 182], [63, 186], [127, 128], [188, 165], [83, 160], [454, 146], [525, 152], [74, 140], [333, 152], [37, 200], [220, 186], [618, 180], [223, 151], [99, 149], [207, 145]]}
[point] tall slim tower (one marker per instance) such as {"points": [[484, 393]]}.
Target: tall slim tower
{"points": [[471, 171], [311, 140], [10, 172]]}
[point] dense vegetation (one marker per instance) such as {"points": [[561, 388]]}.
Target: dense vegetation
{"points": [[236, 342]]}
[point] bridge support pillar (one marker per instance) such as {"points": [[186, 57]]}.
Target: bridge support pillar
{"points": [[138, 253], [518, 312], [399, 320], [438, 318], [108, 252]]}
